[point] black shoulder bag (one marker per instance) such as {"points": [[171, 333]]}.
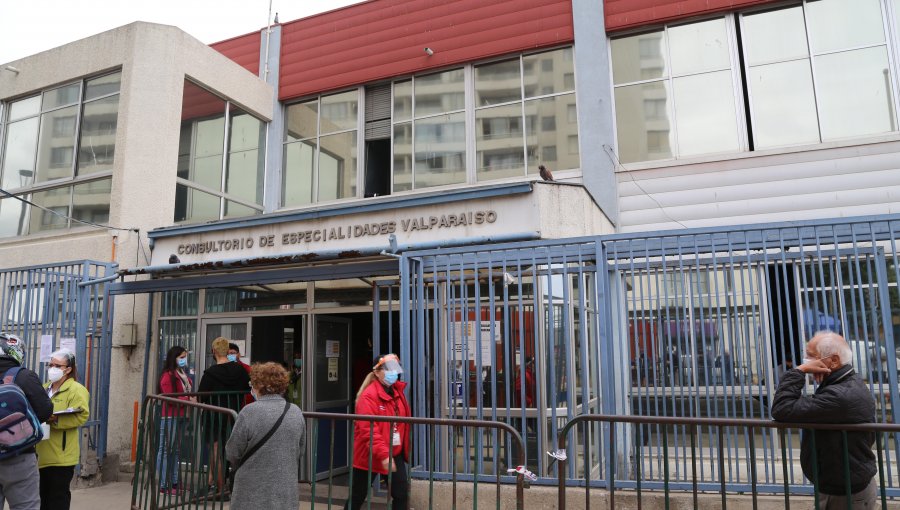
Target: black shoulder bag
{"points": [[258, 445]]}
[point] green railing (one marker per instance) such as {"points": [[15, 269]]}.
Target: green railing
{"points": [[180, 459], [639, 472]]}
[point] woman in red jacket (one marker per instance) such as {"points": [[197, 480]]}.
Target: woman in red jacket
{"points": [[381, 393], [174, 379]]}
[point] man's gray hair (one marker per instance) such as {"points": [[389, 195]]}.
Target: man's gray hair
{"points": [[831, 343]]}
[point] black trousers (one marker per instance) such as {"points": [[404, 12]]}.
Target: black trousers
{"points": [[399, 487], [55, 481]]}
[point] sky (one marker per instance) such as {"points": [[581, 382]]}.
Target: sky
{"points": [[32, 26]]}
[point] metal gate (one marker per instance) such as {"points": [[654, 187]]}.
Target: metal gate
{"points": [[688, 323], [51, 304]]}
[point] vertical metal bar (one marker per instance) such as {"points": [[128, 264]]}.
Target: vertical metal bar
{"points": [[721, 437]]}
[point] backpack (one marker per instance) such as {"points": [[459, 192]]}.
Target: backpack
{"points": [[19, 426]]}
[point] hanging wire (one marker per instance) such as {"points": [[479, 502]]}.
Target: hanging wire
{"points": [[85, 222]]}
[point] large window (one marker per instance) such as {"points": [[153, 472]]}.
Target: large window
{"points": [[524, 111], [320, 150], [803, 74], [58, 154], [482, 122], [221, 159]]}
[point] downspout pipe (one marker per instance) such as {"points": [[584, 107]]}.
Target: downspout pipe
{"points": [[292, 258]]}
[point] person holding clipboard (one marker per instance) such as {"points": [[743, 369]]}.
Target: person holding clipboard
{"points": [[58, 455]]}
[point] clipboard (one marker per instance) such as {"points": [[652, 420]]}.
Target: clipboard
{"points": [[69, 410]]}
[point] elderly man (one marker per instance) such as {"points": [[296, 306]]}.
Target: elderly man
{"points": [[840, 397]]}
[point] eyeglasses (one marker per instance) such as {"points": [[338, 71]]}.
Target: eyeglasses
{"points": [[54, 365]]}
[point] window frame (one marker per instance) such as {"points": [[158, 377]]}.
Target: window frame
{"points": [[27, 192], [469, 115], [740, 71], [223, 196]]}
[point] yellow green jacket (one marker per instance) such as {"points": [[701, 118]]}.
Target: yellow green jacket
{"points": [[63, 448]]}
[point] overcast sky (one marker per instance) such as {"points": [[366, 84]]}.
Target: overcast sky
{"points": [[31, 26]]}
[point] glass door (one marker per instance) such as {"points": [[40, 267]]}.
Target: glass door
{"points": [[331, 392], [236, 330]]}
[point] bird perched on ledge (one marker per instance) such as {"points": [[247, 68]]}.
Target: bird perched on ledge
{"points": [[545, 173]]}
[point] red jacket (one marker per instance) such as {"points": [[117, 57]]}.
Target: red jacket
{"points": [[169, 382], [375, 401]]}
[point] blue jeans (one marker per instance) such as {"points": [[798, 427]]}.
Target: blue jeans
{"points": [[167, 457]]}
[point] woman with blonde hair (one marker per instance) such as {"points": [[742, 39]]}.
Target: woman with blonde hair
{"points": [[381, 394]]}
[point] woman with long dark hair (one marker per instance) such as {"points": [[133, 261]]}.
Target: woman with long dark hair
{"points": [[174, 379]]}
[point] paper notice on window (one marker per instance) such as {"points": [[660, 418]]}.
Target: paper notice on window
{"points": [[46, 348], [332, 369], [67, 344], [332, 349]]}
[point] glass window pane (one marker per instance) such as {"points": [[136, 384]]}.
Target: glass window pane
{"points": [[194, 205], [440, 150], [236, 210], [642, 122], [706, 121], [247, 132], [208, 172], [62, 96], [639, 57], [90, 201], [783, 105], [302, 121], [210, 137], [25, 108], [774, 35], [552, 144], [12, 217], [863, 76], [339, 112], [337, 166], [56, 148], [439, 93], [498, 142], [402, 100], [500, 82], [545, 72], [298, 173], [97, 148], [403, 157], [102, 86], [842, 24], [55, 200], [245, 175], [19, 153], [699, 47]]}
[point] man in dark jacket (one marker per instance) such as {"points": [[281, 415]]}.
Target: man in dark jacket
{"points": [[19, 477], [841, 397], [229, 377]]}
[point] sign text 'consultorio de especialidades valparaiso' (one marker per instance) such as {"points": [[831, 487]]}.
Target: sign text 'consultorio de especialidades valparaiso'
{"points": [[340, 232]]}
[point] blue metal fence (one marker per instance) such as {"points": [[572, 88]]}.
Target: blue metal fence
{"points": [[57, 303], [689, 323]]}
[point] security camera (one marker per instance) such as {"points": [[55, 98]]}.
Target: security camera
{"points": [[429, 51]]}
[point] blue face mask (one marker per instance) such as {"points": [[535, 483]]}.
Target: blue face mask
{"points": [[298, 363], [232, 357], [182, 362], [390, 377]]}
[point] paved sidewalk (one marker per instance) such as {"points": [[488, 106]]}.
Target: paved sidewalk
{"points": [[112, 496]]}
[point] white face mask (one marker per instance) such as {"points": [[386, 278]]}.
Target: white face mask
{"points": [[54, 374]]}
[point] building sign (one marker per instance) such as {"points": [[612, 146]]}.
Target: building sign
{"points": [[480, 218]]}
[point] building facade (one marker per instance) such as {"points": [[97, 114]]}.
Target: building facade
{"points": [[263, 188]]}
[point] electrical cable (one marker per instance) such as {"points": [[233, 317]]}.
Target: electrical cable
{"points": [[615, 160], [51, 211]]}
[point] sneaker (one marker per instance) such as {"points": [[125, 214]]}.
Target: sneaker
{"points": [[171, 492]]}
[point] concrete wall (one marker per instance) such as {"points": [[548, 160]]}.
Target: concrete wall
{"points": [[155, 59], [829, 180]]}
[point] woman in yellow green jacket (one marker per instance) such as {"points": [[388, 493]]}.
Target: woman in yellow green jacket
{"points": [[58, 455]]}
